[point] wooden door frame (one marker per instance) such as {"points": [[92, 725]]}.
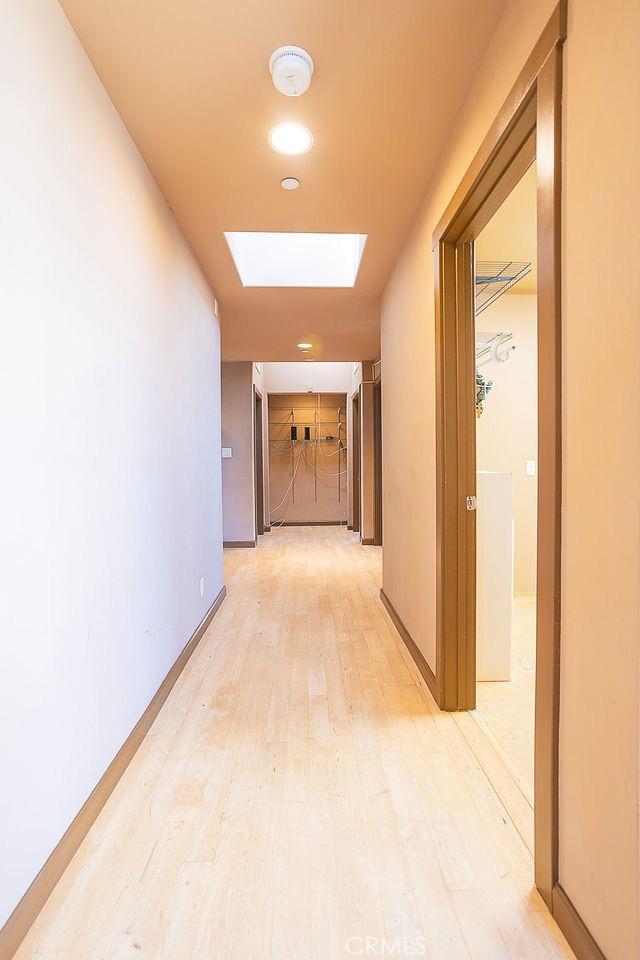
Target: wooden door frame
{"points": [[258, 457], [377, 461], [528, 127], [356, 463]]}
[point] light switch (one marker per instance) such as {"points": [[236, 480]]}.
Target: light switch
{"points": [[530, 468], [227, 453]]}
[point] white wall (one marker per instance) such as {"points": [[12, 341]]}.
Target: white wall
{"points": [[110, 505], [301, 377], [507, 431]]}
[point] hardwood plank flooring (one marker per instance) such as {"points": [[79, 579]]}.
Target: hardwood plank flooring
{"points": [[300, 796]]}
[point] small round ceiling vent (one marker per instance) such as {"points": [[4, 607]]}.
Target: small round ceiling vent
{"points": [[291, 70]]}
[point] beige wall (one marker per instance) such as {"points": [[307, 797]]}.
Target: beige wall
{"points": [[110, 489], [258, 379], [507, 431], [601, 449], [318, 493], [238, 481]]}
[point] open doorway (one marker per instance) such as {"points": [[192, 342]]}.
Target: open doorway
{"points": [[527, 129], [258, 461], [355, 461], [506, 480], [377, 459]]}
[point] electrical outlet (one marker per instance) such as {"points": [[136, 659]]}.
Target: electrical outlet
{"points": [[530, 468], [227, 453], [202, 588]]}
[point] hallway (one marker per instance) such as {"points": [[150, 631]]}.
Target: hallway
{"points": [[298, 793]]}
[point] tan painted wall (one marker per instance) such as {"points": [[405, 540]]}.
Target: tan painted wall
{"points": [[361, 377], [300, 377], [238, 483], [601, 504], [318, 493], [258, 379], [507, 431]]}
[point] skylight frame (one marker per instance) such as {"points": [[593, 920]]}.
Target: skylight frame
{"points": [[296, 260]]}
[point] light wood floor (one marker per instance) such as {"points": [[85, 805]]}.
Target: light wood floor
{"points": [[508, 708], [298, 793], [502, 732]]}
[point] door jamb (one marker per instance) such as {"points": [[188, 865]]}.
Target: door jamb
{"points": [[258, 455], [377, 460], [527, 127], [356, 463]]}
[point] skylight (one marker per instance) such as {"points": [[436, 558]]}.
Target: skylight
{"points": [[297, 259]]}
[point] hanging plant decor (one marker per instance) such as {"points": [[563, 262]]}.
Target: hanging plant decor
{"points": [[483, 387]]}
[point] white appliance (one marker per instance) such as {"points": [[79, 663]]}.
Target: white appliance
{"points": [[494, 575]]}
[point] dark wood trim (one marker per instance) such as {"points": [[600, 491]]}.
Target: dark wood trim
{"points": [[554, 34], [313, 523], [227, 544], [267, 529], [573, 927], [422, 665], [549, 506], [528, 127], [377, 462], [367, 541], [17, 926], [356, 462], [258, 461]]}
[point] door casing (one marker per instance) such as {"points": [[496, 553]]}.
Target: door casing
{"points": [[527, 128], [356, 463], [258, 457]]}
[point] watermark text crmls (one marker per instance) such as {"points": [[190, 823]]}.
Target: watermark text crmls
{"points": [[386, 946]]}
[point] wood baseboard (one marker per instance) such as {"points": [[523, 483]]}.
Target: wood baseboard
{"points": [[367, 541], [312, 523], [17, 926], [573, 927], [422, 665], [238, 543]]}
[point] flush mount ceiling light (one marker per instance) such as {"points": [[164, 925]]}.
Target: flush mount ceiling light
{"points": [[291, 69], [290, 183], [304, 346], [297, 259], [292, 139]]}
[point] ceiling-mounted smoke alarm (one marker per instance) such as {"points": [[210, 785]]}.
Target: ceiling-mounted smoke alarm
{"points": [[291, 70]]}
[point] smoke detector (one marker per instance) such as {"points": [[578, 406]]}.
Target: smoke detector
{"points": [[291, 69]]}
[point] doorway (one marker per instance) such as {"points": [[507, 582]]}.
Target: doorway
{"points": [[506, 441], [307, 453], [377, 461], [355, 461], [527, 129], [258, 462]]}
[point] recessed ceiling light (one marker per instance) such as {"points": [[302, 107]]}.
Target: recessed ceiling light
{"points": [[309, 359], [290, 183], [305, 346], [290, 138]]}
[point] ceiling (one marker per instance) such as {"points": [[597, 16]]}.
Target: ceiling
{"points": [[190, 80], [511, 233]]}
